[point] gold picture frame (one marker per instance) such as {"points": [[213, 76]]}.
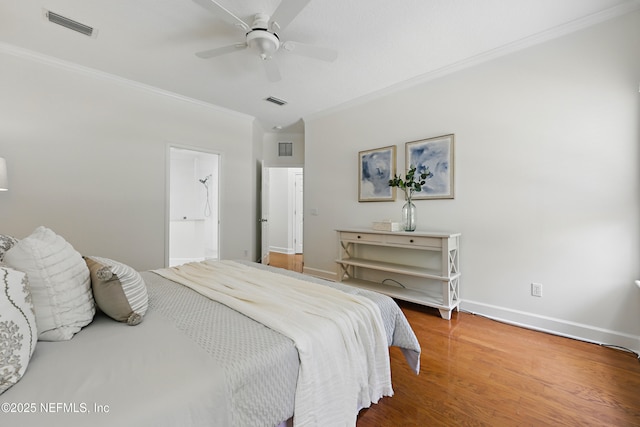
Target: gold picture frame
{"points": [[436, 155], [375, 168]]}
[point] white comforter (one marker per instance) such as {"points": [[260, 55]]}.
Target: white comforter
{"points": [[341, 342]]}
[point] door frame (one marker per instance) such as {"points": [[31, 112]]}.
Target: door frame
{"points": [[264, 198], [263, 220], [167, 210], [298, 214]]}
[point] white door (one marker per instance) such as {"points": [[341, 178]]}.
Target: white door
{"points": [[298, 213], [264, 216]]}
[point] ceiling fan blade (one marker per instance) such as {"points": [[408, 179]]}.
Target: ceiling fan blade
{"points": [[272, 70], [311, 51], [212, 53], [223, 13], [286, 12]]}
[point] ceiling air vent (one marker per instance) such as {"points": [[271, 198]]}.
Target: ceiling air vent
{"points": [[69, 23], [275, 100]]}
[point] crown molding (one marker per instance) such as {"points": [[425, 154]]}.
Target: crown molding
{"points": [[544, 36], [9, 49]]}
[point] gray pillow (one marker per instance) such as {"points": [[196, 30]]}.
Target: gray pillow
{"points": [[119, 290]]}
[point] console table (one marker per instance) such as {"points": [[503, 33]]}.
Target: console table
{"points": [[420, 267]]}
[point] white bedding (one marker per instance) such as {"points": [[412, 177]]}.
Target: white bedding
{"points": [[191, 362], [340, 338], [112, 374]]}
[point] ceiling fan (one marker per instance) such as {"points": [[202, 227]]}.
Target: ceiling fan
{"points": [[262, 35]]}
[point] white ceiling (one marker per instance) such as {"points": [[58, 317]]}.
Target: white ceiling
{"points": [[380, 44]]}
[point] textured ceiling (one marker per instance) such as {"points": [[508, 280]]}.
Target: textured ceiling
{"points": [[380, 44]]}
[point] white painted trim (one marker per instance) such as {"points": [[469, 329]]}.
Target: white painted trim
{"points": [[19, 52], [287, 251], [322, 274], [573, 26], [553, 326], [532, 321]]}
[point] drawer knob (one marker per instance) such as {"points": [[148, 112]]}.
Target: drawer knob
{"points": [[411, 241], [358, 237]]}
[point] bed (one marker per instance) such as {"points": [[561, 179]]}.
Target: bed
{"points": [[191, 361]]}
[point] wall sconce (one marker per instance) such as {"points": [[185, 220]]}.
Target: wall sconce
{"points": [[4, 180]]}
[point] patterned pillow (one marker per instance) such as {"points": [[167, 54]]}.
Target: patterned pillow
{"points": [[59, 281], [18, 332], [119, 290], [6, 243]]}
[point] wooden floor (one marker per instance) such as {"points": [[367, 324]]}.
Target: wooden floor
{"points": [[290, 262], [479, 372]]}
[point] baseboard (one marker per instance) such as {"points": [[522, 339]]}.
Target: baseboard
{"points": [[553, 326], [532, 321], [286, 251], [322, 274]]}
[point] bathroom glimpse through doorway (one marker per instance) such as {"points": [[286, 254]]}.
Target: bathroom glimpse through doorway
{"points": [[193, 205]]}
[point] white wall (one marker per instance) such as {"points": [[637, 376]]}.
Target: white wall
{"points": [[271, 140], [546, 179], [87, 158]]}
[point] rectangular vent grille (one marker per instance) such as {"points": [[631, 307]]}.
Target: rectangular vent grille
{"points": [[275, 100], [285, 149], [69, 23]]}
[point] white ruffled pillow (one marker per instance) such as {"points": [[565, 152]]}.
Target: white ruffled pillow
{"points": [[18, 329], [59, 281]]}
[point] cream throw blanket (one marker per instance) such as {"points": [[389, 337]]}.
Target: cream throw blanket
{"points": [[341, 341]]}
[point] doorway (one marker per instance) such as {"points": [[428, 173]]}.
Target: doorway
{"points": [[285, 216], [193, 205]]}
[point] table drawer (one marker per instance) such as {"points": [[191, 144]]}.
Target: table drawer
{"points": [[408, 240], [362, 237]]}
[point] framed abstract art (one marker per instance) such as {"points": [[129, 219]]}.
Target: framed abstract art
{"points": [[436, 155], [376, 167]]}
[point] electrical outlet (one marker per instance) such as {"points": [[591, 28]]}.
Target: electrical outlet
{"points": [[536, 289]]}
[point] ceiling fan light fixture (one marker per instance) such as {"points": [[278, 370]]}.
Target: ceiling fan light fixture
{"points": [[262, 36], [263, 42]]}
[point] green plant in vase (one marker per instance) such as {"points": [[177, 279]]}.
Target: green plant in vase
{"points": [[412, 182]]}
